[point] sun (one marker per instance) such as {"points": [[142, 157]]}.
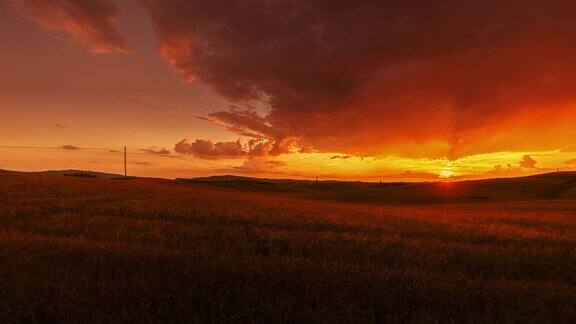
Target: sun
{"points": [[446, 173]]}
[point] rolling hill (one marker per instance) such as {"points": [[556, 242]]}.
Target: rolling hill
{"points": [[543, 186]]}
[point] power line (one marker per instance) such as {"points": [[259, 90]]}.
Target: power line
{"points": [[53, 147]]}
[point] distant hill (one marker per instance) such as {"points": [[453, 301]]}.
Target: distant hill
{"points": [[278, 185], [81, 173], [556, 175], [234, 178], [247, 183], [553, 185], [229, 178]]}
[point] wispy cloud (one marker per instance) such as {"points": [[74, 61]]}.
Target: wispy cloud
{"points": [[340, 157], [90, 23], [156, 150]]}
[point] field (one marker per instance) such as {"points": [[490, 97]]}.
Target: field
{"points": [[151, 250]]}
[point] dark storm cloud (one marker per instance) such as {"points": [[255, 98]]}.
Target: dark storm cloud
{"points": [[377, 76]]}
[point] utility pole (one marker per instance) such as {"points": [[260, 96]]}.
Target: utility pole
{"points": [[125, 172]]}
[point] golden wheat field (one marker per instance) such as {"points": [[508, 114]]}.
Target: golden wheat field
{"points": [[151, 250]]}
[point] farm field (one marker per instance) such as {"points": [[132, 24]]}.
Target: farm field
{"points": [[154, 250]]}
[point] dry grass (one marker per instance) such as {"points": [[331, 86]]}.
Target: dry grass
{"points": [[145, 250]]}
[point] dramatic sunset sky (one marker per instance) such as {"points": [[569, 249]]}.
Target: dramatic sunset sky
{"points": [[367, 89]]}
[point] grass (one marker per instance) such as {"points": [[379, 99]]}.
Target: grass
{"points": [[149, 250]]}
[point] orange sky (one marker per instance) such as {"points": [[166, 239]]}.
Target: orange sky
{"points": [[294, 89]]}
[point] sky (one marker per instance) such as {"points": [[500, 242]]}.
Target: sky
{"points": [[352, 90]]}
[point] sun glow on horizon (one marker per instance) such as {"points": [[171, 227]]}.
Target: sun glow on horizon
{"points": [[446, 173], [327, 166]]}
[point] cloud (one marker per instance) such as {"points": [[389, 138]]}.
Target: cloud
{"points": [[571, 161], [508, 169], [156, 150], [263, 139], [407, 78], [411, 78], [527, 162], [340, 157], [307, 149], [209, 150], [244, 121], [276, 163], [142, 163], [204, 148], [70, 147], [90, 23], [204, 118], [256, 147], [262, 165]]}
